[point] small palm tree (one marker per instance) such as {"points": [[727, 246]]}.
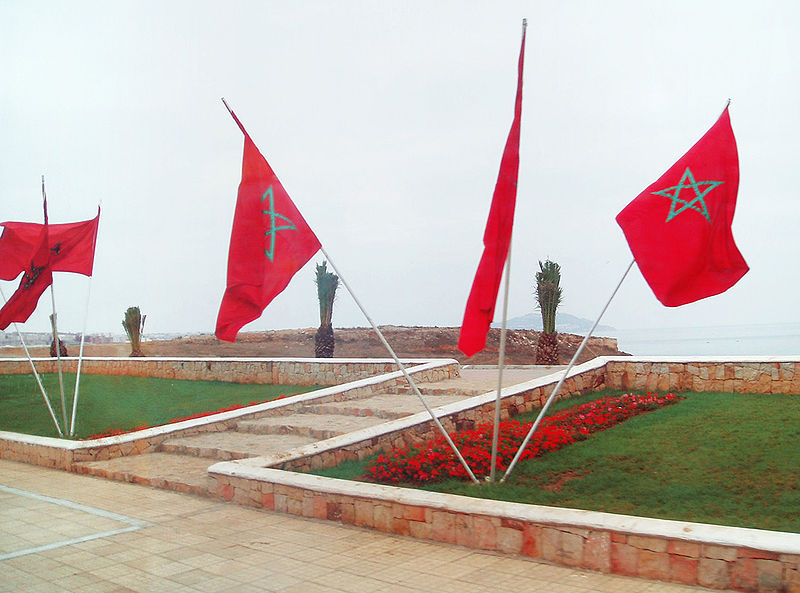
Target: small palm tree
{"points": [[133, 322], [548, 298], [327, 283]]}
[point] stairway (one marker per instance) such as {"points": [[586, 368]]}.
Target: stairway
{"points": [[181, 462]]}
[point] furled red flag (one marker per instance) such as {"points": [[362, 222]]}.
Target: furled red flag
{"points": [[679, 228], [496, 238], [72, 246], [37, 277], [270, 242]]}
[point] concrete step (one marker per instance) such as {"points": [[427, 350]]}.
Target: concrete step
{"points": [[229, 445], [432, 389], [159, 470], [387, 406], [316, 426]]}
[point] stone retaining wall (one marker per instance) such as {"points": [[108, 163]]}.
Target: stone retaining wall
{"points": [[300, 371], [694, 554], [761, 374]]}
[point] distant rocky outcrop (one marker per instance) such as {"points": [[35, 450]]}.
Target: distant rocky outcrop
{"points": [[566, 323]]}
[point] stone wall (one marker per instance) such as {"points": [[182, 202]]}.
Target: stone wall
{"points": [[760, 374], [690, 553], [301, 371]]}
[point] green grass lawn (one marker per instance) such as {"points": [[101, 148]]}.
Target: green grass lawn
{"points": [[721, 458], [122, 403]]}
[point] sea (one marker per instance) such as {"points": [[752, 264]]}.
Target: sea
{"points": [[752, 339]]}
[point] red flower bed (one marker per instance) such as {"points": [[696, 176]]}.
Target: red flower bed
{"points": [[435, 460]]}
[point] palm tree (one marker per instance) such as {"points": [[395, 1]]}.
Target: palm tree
{"points": [[548, 298], [327, 283], [133, 322]]}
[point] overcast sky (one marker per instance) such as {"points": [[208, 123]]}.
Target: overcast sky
{"points": [[385, 122]]}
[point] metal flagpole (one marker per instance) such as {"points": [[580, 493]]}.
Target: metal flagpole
{"points": [[36, 374], [403, 369], [80, 361], [563, 378], [501, 360], [54, 323]]}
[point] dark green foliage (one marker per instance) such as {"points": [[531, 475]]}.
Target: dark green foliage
{"points": [[327, 283], [548, 293], [133, 322]]}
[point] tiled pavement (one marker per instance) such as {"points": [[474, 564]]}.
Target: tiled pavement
{"points": [[62, 532]]}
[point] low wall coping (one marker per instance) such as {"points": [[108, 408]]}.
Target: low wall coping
{"points": [[228, 359], [773, 541]]}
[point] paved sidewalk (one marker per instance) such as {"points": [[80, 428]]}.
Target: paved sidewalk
{"points": [[95, 535]]}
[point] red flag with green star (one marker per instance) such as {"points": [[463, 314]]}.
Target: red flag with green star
{"points": [[270, 242], [679, 228]]}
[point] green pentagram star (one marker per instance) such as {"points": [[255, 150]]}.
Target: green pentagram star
{"points": [[697, 203], [273, 229]]}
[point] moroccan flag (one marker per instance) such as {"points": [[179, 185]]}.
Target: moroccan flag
{"points": [[37, 277], [679, 228], [496, 238], [270, 242], [72, 246]]}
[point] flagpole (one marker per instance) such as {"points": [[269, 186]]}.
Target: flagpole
{"points": [[54, 323], [501, 360], [402, 367], [36, 374], [563, 378], [80, 361]]}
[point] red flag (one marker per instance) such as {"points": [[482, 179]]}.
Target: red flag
{"points": [[679, 228], [38, 276], [270, 242], [72, 246], [496, 238]]}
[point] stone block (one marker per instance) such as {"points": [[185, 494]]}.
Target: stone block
{"points": [[713, 573], [485, 533], [364, 513], [550, 540], [348, 513], [531, 541], [419, 529], [571, 552], [382, 517], [414, 513], [597, 551], [744, 575], [683, 569], [320, 507], [623, 559], [654, 544], [683, 548], [225, 491], [653, 565], [726, 553], [400, 526], [770, 576], [443, 528], [509, 541], [334, 510]]}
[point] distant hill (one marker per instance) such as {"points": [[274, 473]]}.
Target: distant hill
{"points": [[565, 323]]}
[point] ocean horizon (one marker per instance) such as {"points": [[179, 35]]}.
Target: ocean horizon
{"points": [[774, 339]]}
